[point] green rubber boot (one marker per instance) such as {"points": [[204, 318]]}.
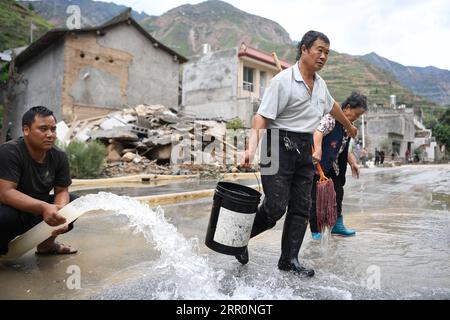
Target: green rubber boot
{"points": [[340, 230]]}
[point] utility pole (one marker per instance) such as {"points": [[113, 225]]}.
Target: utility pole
{"points": [[362, 132], [32, 27]]}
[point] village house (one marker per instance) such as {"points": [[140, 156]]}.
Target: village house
{"points": [[389, 129], [396, 130], [90, 72], [227, 84], [424, 140]]}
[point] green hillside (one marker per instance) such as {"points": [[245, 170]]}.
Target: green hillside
{"points": [[223, 26], [15, 21], [431, 83], [344, 74], [186, 28], [92, 12], [219, 24]]}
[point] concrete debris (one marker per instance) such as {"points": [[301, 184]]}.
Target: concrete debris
{"points": [[141, 140], [62, 132], [116, 120], [121, 134], [128, 157], [114, 152]]}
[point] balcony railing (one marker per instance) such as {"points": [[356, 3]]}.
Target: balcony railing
{"points": [[248, 86]]}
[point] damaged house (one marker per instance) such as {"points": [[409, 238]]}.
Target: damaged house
{"points": [[90, 72], [398, 129], [227, 84]]}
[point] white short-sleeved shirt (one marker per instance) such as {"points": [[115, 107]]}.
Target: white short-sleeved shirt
{"points": [[290, 105]]}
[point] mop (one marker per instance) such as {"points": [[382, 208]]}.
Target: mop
{"points": [[326, 210]]}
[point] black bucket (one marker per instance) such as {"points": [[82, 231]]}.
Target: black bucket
{"points": [[232, 217]]}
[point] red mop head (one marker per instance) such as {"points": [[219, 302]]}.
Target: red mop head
{"points": [[326, 210]]}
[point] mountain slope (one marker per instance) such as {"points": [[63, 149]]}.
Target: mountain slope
{"points": [[187, 27], [92, 12], [344, 74], [15, 21], [430, 82], [219, 24]]}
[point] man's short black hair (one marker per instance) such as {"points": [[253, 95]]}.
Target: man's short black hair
{"points": [[29, 116], [355, 100], [308, 40]]}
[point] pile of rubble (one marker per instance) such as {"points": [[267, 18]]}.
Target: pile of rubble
{"points": [[141, 139]]}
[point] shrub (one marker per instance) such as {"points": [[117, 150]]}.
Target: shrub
{"points": [[235, 124], [3, 77], [386, 145], [1, 116], [442, 129], [86, 160], [418, 154]]}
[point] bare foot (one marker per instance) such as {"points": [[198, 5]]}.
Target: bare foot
{"points": [[60, 230]]}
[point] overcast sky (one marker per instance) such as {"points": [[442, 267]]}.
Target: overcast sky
{"points": [[411, 32]]}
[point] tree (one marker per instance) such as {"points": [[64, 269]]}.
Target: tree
{"points": [[386, 145], [442, 129], [7, 91]]}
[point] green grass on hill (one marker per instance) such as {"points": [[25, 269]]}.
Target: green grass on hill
{"points": [[15, 21], [344, 74]]}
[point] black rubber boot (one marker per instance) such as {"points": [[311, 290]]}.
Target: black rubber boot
{"points": [[243, 258], [291, 241]]}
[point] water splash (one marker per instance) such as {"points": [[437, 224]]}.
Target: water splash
{"points": [[178, 256], [325, 249], [180, 273]]}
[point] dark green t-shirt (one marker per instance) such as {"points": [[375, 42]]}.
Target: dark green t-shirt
{"points": [[33, 179]]}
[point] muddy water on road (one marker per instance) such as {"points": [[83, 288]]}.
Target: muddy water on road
{"points": [[401, 251]]}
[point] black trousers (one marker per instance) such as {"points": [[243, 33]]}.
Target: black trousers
{"points": [[14, 223], [338, 188], [289, 188]]}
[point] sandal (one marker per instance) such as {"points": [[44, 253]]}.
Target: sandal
{"points": [[58, 249]]}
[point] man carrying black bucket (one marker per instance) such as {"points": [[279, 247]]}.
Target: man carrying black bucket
{"points": [[291, 110]]}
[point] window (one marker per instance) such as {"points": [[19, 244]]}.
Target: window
{"points": [[248, 79], [262, 81]]}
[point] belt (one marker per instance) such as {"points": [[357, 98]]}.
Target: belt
{"points": [[292, 134]]}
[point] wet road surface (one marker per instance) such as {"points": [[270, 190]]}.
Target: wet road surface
{"points": [[401, 251]]}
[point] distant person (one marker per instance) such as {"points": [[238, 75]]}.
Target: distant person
{"points": [[377, 156], [291, 110], [30, 167], [331, 144], [407, 155], [364, 157], [381, 156]]}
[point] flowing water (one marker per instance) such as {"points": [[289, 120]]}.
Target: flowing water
{"points": [[131, 251]]}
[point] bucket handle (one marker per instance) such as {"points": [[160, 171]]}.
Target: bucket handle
{"points": [[257, 179]]}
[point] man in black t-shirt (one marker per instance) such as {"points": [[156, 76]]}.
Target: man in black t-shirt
{"points": [[30, 167]]}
